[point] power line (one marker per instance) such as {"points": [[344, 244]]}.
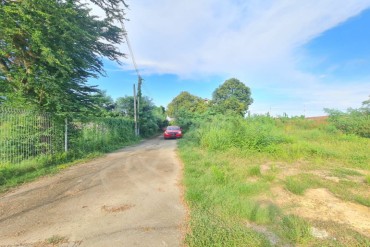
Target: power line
{"points": [[130, 49], [136, 98]]}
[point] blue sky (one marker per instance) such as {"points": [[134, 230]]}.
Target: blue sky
{"points": [[297, 57]]}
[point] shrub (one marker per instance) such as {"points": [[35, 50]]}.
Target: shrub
{"points": [[351, 122], [225, 132]]}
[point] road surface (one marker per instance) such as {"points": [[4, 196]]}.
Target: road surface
{"points": [[130, 197]]}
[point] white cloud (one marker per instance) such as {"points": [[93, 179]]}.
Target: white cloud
{"points": [[218, 36], [258, 41]]}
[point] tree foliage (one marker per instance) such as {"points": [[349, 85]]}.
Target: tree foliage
{"points": [[366, 106], [232, 96], [353, 121], [125, 106], [151, 118], [49, 48], [186, 102]]}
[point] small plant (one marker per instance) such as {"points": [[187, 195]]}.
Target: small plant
{"points": [[218, 174], [343, 172], [367, 179], [296, 229], [295, 185], [362, 200], [254, 171], [56, 239], [208, 229]]}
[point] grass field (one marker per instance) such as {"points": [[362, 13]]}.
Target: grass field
{"points": [[272, 182]]}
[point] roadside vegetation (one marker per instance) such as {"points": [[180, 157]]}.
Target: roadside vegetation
{"points": [[49, 50], [30, 148], [235, 169], [263, 181]]}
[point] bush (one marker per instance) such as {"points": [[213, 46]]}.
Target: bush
{"points": [[351, 122], [225, 132]]}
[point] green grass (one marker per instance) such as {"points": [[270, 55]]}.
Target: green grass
{"points": [[367, 179], [232, 165], [211, 230], [299, 184], [29, 170], [296, 230], [254, 170], [343, 172]]}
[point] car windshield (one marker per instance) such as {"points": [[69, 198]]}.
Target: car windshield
{"points": [[173, 128]]}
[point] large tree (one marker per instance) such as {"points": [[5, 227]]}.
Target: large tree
{"points": [[186, 102], [49, 48], [151, 118], [232, 96]]}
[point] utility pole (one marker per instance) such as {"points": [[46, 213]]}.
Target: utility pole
{"points": [[138, 102], [136, 98], [135, 111]]}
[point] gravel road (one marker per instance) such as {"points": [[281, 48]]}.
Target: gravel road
{"points": [[130, 197]]}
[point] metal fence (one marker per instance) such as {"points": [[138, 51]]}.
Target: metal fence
{"points": [[27, 134]]}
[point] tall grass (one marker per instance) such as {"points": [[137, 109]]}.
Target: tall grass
{"points": [[229, 132]]}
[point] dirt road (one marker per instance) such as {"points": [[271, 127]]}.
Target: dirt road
{"points": [[128, 198]]}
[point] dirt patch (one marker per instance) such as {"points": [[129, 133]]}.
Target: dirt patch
{"points": [[115, 209], [321, 205], [105, 202]]}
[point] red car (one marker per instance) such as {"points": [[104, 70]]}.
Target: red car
{"points": [[172, 132]]}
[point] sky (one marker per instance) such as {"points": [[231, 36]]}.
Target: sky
{"points": [[297, 57]]}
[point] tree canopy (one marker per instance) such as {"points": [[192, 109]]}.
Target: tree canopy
{"points": [[186, 102], [49, 48], [233, 96], [151, 117], [366, 106]]}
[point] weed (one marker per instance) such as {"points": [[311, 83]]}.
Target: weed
{"points": [[367, 179], [295, 229], [343, 172], [363, 200], [254, 170], [56, 239], [211, 230], [218, 174], [300, 183]]}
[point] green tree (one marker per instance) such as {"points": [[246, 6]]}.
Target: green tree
{"points": [[232, 96], [159, 113], [151, 118], [125, 106], [186, 102], [366, 106], [49, 48]]}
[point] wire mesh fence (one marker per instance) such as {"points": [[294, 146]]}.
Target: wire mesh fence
{"points": [[98, 134], [26, 134]]}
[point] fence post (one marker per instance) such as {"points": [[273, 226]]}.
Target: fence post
{"points": [[66, 135]]}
